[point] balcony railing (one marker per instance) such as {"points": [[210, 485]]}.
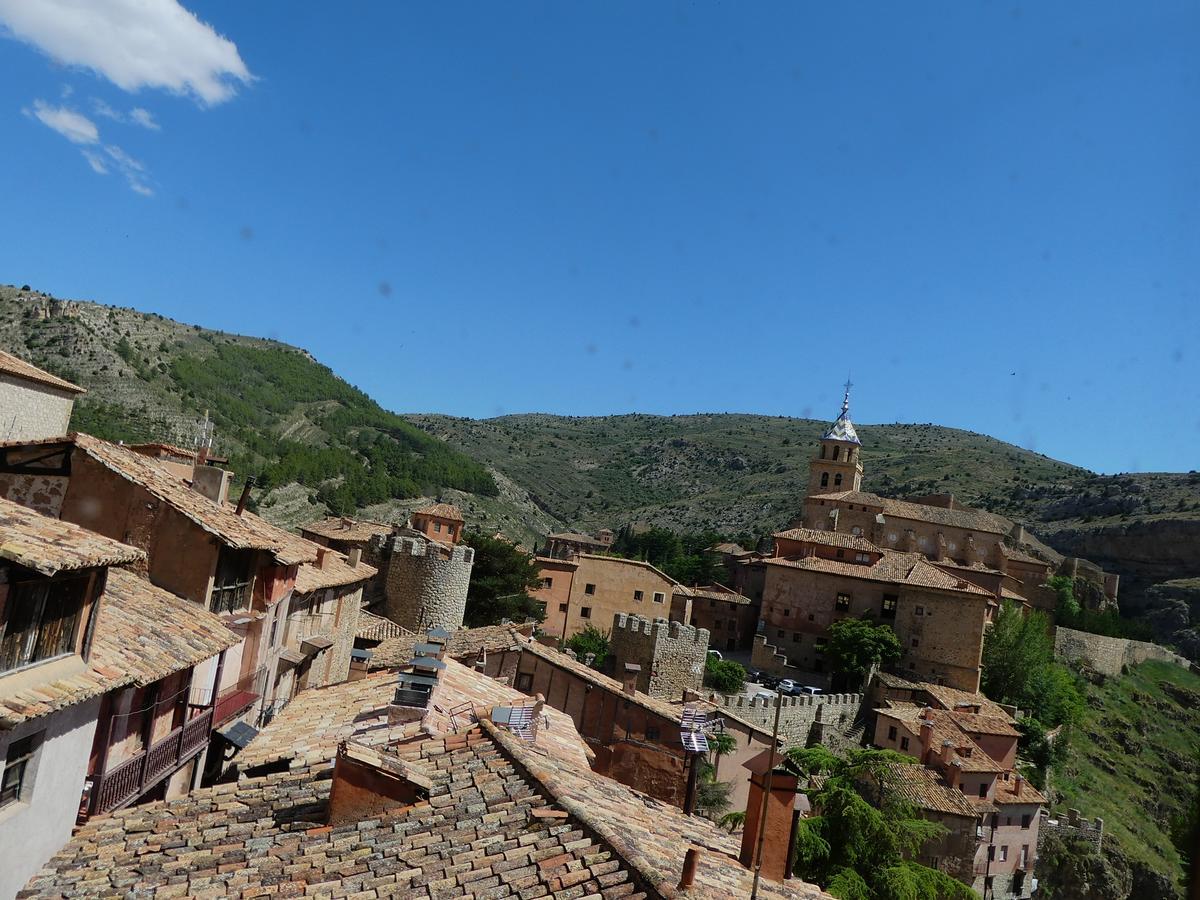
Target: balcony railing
{"points": [[239, 697], [126, 782]]}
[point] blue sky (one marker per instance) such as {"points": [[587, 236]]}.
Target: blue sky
{"points": [[985, 212]]}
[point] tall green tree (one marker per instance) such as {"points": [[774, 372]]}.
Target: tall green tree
{"points": [[855, 645], [860, 843], [1019, 668], [590, 641], [501, 577]]}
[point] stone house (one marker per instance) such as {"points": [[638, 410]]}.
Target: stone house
{"points": [[95, 670], [439, 522], [33, 403], [827, 576], [322, 624], [198, 546], [589, 589], [967, 743], [730, 618], [566, 544], [479, 791]]}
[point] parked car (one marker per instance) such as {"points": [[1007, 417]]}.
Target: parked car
{"points": [[765, 695], [809, 690], [762, 678], [788, 687]]}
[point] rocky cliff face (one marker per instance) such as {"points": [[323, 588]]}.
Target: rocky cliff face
{"points": [[1159, 564]]}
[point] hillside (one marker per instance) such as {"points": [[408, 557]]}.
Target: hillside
{"points": [[1135, 762], [278, 413]]}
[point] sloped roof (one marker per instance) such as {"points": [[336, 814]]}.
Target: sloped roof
{"points": [[829, 539], [19, 368], [150, 633], [376, 628], [49, 546], [244, 532], [963, 517], [440, 511], [575, 537], [945, 728], [309, 729], [143, 633], [925, 789], [1008, 791], [464, 643], [893, 567], [336, 572], [345, 529]]}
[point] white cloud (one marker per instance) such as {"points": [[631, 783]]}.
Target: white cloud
{"points": [[144, 118], [75, 127], [100, 108], [134, 171], [133, 43], [95, 162]]}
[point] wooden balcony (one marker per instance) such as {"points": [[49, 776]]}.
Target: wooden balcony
{"points": [[131, 779], [238, 697]]}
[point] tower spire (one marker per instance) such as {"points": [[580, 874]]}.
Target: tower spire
{"points": [[846, 398], [842, 429]]}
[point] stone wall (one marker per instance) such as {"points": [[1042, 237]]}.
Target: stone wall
{"points": [[1109, 655], [426, 583], [671, 654], [825, 717], [1074, 825], [31, 411]]}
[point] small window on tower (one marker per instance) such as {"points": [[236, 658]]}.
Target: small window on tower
{"points": [[837, 479], [824, 479], [836, 452], [822, 451]]}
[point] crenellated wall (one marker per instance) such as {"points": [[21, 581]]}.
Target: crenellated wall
{"points": [[825, 718], [425, 584], [671, 654]]}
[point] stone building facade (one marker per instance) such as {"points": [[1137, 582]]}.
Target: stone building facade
{"points": [[1109, 655], [830, 719], [671, 655], [33, 403], [424, 582]]}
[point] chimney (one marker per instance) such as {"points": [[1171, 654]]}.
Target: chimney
{"points": [[954, 773], [689, 868], [1019, 784], [241, 507], [353, 557], [947, 752], [629, 678], [212, 483], [926, 739], [778, 826]]}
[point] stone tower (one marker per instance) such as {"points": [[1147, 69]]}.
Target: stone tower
{"points": [[425, 582], [837, 466], [671, 655]]}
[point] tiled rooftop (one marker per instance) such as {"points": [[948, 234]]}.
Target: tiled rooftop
{"points": [[19, 368], [309, 729], [464, 643], [440, 511], [376, 628], [963, 517], [246, 531], [829, 539], [334, 572], [945, 728], [924, 788], [142, 634], [893, 568], [49, 546], [345, 529]]}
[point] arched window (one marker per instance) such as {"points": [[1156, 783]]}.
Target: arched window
{"points": [[836, 451], [837, 480], [824, 479], [822, 451]]}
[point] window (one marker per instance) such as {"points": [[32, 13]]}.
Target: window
{"points": [[547, 582], [13, 781], [819, 644], [525, 682], [842, 604], [891, 732], [919, 611], [274, 628], [887, 609], [786, 611], [903, 743], [840, 553], [1004, 853], [862, 557], [234, 579], [639, 595], [652, 732], [779, 632], [659, 597], [589, 589], [983, 789], [1025, 820], [585, 612], [837, 480], [824, 479], [822, 451], [916, 642], [837, 451], [562, 607], [437, 526], [41, 620], [795, 637], [811, 617]]}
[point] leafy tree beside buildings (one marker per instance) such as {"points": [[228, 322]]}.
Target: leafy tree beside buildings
{"points": [[681, 556], [590, 641], [500, 579], [860, 841], [855, 646], [724, 675]]}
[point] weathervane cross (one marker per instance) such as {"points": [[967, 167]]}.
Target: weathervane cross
{"points": [[846, 398]]}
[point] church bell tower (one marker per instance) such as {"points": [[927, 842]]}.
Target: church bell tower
{"points": [[837, 466]]}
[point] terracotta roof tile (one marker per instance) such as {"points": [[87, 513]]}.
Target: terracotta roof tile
{"points": [[464, 643], [1008, 791], [829, 539], [19, 368], [440, 511], [893, 567], [925, 789], [334, 573], [48, 545], [344, 529], [963, 517], [376, 628]]}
